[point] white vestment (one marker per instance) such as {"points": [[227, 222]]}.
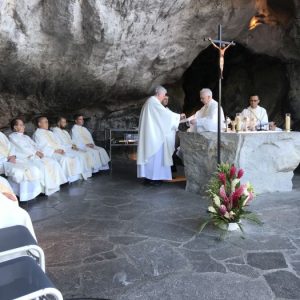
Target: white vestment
{"points": [[51, 171], [23, 176], [258, 113], [207, 118], [11, 214], [85, 157], [157, 129], [81, 137], [70, 163]]}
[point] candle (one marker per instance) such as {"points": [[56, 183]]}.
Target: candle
{"points": [[238, 122], [287, 122]]}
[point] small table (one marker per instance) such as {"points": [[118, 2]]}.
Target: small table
{"points": [[116, 137]]}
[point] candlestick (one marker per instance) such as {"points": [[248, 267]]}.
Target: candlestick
{"points": [[288, 122], [238, 122]]}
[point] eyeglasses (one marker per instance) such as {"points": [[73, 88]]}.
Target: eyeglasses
{"points": [[254, 100]]}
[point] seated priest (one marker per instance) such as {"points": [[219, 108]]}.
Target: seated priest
{"points": [[256, 112], [157, 129], [84, 141], [6, 190], [50, 146], [24, 177], [52, 175], [206, 119], [10, 212], [63, 136]]}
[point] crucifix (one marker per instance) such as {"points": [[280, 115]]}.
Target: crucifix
{"points": [[222, 46]]}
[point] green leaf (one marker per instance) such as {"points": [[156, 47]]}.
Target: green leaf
{"points": [[253, 218], [202, 226]]}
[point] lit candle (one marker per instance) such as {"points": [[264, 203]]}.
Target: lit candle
{"points": [[288, 122]]}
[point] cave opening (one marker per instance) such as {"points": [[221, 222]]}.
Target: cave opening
{"points": [[245, 73]]}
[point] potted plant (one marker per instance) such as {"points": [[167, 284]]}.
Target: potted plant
{"points": [[229, 199]]}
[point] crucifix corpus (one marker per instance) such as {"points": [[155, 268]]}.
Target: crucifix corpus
{"points": [[222, 46]]}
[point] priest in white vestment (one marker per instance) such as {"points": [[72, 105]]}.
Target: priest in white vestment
{"points": [[26, 149], [84, 141], [63, 136], [157, 129], [50, 146], [23, 176], [10, 212], [206, 119], [256, 112], [6, 190]]}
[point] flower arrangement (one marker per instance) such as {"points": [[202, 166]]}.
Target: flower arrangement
{"points": [[229, 198]]}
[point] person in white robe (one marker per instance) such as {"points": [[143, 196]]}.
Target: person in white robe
{"points": [[12, 215], [10, 212], [50, 146], [23, 176], [26, 149], [84, 141], [157, 129], [63, 136], [256, 112], [206, 119], [6, 190]]}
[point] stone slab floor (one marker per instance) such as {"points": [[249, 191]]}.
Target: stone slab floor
{"points": [[113, 237]]}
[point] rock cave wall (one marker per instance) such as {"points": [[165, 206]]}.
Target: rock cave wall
{"points": [[104, 57]]}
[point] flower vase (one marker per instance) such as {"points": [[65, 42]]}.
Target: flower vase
{"points": [[233, 226]]}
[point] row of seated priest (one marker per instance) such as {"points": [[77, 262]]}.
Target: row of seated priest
{"points": [[50, 158]]}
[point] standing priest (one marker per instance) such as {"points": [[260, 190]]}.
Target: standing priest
{"points": [[157, 129]]}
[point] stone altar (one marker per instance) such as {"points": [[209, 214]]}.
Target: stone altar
{"points": [[268, 158]]}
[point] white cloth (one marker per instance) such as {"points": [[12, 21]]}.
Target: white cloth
{"points": [[70, 163], [85, 157], [207, 118], [51, 171], [81, 137], [24, 176], [154, 168], [11, 214], [258, 113], [5, 186], [157, 128]]}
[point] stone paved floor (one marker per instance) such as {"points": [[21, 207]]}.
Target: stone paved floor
{"points": [[112, 237]]}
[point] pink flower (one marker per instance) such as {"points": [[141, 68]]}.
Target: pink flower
{"points": [[232, 171], [222, 178], [223, 192], [240, 173], [222, 210]]}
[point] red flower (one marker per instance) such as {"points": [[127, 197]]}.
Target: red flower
{"points": [[237, 194], [222, 178], [232, 171], [240, 173]]}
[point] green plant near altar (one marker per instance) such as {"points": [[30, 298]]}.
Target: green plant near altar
{"points": [[230, 198]]}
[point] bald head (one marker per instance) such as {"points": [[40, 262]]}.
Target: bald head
{"points": [[42, 122]]}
